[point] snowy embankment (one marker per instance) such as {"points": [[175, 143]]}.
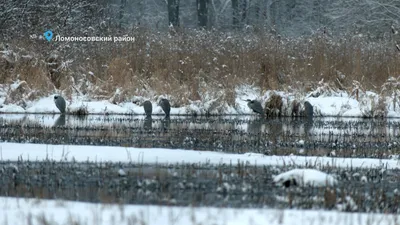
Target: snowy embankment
{"points": [[305, 177], [38, 211], [79, 153], [325, 102]]}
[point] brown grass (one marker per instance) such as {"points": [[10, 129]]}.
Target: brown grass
{"points": [[188, 64], [330, 198], [273, 106], [81, 111]]}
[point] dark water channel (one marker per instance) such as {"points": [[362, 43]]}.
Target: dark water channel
{"points": [[197, 185], [346, 137], [204, 185]]}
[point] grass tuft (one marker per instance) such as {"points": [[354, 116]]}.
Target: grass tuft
{"points": [[81, 111]]}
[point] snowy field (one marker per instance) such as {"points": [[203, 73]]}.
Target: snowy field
{"points": [[14, 151], [325, 104], [38, 211]]}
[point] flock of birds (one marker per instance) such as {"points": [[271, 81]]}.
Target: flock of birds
{"points": [[166, 106], [148, 107], [257, 107], [164, 103]]}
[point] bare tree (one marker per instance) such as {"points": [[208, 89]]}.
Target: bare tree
{"points": [[239, 8], [202, 12], [173, 12], [374, 17], [243, 10], [235, 15], [122, 7], [19, 18]]}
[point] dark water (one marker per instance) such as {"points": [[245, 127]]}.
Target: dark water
{"points": [[204, 185], [346, 137], [197, 185]]}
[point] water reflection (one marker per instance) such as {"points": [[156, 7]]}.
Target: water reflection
{"points": [[222, 133], [148, 123], [60, 121], [308, 125], [165, 123], [254, 126]]}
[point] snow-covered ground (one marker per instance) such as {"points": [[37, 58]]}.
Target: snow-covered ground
{"points": [[326, 103], [40, 211], [306, 177], [81, 153]]}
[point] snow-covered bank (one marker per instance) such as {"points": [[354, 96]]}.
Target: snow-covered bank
{"points": [[38, 211], [79, 153], [325, 103], [305, 177]]}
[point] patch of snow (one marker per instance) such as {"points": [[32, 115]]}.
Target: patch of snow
{"points": [[121, 173], [194, 108], [364, 179], [305, 177], [335, 106], [99, 107], [133, 108], [300, 143], [11, 108], [174, 111], [16, 84], [33, 211], [83, 153], [347, 204], [43, 105]]}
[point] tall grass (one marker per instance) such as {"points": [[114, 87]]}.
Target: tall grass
{"points": [[186, 65]]}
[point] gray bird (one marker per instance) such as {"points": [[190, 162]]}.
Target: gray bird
{"points": [[148, 108], [166, 107], [255, 106], [309, 110], [60, 103]]}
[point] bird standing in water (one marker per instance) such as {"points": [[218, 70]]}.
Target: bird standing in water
{"points": [[166, 107], [309, 110], [148, 108], [255, 106], [60, 103]]}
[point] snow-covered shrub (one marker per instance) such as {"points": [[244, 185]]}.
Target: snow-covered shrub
{"points": [[304, 177], [273, 106], [80, 111], [323, 89], [390, 90]]}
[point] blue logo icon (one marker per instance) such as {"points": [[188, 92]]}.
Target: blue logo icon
{"points": [[48, 35]]}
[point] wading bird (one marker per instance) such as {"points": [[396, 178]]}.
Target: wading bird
{"points": [[166, 107], [148, 108], [255, 106], [60, 103], [309, 110]]}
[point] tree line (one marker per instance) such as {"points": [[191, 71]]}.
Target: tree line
{"points": [[283, 17]]}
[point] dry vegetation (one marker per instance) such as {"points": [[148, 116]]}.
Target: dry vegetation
{"points": [[186, 65]]}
